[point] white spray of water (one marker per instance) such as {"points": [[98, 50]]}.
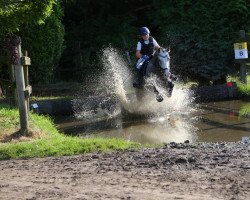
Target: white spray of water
{"points": [[116, 74], [103, 101], [178, 107], [116, 83], [118, 79], [158, 131]]}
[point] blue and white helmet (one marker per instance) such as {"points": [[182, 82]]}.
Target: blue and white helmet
{"points": [[144, 31]]}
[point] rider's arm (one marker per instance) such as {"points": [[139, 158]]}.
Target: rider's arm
{"points": [[138, 50], [156, 45], [138, 54]]}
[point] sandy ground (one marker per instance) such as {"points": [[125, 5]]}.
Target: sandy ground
{"points": [[176, 171]]}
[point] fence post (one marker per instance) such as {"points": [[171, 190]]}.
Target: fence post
{"points": [[241, 54], [243, 67], [13, 81], [126, 50], [16, 55], [28, 88]]}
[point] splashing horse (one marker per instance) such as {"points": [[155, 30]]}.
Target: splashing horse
{"points": [[158, 65]]}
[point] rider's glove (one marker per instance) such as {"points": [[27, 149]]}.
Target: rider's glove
{"points": [[144, 58]]}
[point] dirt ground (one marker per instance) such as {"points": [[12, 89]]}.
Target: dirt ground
{"points": [[176, 171]]}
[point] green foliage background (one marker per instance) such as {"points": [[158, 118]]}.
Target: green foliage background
{"points": [[39, 23], [73, 32], [15, 13], [45, 45], [91, 26], [201, 34]]}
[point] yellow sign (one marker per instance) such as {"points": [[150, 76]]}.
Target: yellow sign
{"points": [[240, 50], [239, 46]]}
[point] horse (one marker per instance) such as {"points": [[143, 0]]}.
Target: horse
{"points": [[159, 65]]}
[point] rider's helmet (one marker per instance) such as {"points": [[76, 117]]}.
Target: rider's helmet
{"points": [[144, 31]]}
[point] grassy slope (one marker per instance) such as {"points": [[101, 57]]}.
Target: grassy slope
{"points": [[50, 142]]}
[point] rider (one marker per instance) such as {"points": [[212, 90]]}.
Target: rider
{"points": [[144, 51], [146, 47]]}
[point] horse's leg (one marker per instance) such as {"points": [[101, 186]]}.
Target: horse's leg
{"points": [[151, 69], [169, 78], [170, 86]]}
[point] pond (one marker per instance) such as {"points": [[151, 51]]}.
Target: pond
{"points": [[208, 122]]}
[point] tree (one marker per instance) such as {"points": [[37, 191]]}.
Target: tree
{"points": [[92, 25], [44, 43], [15, 13], [39, 24], [201, 34]]}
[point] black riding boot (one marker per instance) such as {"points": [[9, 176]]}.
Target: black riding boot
{"points": [[140, 76], [139, 82]]}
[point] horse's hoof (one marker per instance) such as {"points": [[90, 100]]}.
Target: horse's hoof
{"points": [[170, 91], [173, 77], [159, 98]]}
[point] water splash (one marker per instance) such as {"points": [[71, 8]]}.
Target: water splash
{"points": [[117, 74], [109, 89], [154, 131], [180, 102], [117, 96], [115, 86]]}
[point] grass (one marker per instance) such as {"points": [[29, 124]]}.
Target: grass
{"points": [[48, 141], [245, 111], [244, 89]]}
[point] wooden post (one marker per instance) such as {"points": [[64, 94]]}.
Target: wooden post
{"points": [[243, 67], [126, 50], [243, 72], [26, 79], [20, 86], [13, 80]]}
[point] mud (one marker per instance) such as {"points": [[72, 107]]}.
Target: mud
{"points": [[175, 171]]}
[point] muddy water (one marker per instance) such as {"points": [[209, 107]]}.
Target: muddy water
{"points": [[146, 121], [220, 121], [211, 122]]}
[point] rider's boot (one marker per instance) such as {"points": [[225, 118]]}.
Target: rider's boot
{"points": [[139, 83]]}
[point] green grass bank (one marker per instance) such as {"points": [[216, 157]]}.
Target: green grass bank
{"points": [[45, 140], [244, 89]]}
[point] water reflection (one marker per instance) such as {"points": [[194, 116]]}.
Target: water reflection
{"points": [[220, 121], [153, 131], [140, 129]]}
